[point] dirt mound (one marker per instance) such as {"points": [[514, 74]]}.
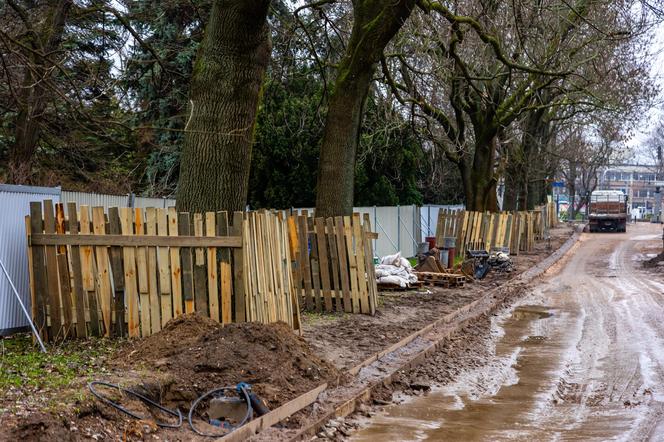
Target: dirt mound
{"points": [[197, 354]]}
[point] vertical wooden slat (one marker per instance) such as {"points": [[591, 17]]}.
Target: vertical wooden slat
{"points": [[164, 270], [363, 289], [225, 274], [238, 270], [38, 272], [176, 267], [344, 273], [119, 328], [187, 264], [323, 255], [315, 270], [63, 273], [334, 263], [103, 273], [143, 279], [54, 311], [306, 266], [247, 262], [129, 264], [212, 274], [200, 275], [352, 264], [294, 245], [77, 274], [152, 302], [87, 268], [371, 270]]}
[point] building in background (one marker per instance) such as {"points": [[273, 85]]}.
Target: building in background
{"points": [[638, 182]]}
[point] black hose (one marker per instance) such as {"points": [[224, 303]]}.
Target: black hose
{"points": [[240, 388], [144, 399]]}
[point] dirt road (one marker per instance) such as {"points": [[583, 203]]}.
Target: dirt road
{"points": [[580, 358]]}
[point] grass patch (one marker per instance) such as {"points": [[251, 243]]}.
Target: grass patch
{"points": [[23, 365]]}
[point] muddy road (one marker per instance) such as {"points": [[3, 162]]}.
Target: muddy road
{"points": [[579, 358]]}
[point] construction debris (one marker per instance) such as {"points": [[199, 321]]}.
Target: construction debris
{"points": [[395, 270]]}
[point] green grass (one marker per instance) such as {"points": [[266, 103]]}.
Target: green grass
{"points": [[23, 365]]}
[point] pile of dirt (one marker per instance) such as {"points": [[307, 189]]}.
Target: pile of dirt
{"points": [[194, 354]]}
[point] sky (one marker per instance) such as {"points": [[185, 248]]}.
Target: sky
{"points": [[657, 73]]}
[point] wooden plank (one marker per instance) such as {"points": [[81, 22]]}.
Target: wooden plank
{"points": [[323, 254], [119, 327], [52, 280], [135, 241], [238, 270], [371, 270], [361, 264], [315, 269], [344, 273], [103, 270], [63, 273], [212, 273], [352, 264], [200, 274], [187, 265], [38, 271], [306, 266], [77, 274], [294, 245], [247, 263], [176, 266], [225, 272], [87, 269], [129, 265], [152, 303], [142, 276], [163, 262], [334, 264]]}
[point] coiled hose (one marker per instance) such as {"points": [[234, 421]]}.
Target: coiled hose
{"points": [[241, 388]]}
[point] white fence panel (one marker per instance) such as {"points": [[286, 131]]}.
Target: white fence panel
{"points": [[94, 200]]}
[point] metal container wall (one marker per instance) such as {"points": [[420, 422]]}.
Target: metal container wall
{"points": [[15, 203]]}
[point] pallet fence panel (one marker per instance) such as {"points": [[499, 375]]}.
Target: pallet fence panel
{"points": [[253, 282], [337, 293]]}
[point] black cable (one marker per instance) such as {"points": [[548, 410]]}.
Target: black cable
{"points": [[144, 399], [240, 388]]}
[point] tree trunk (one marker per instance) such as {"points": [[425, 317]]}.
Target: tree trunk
{"points": [[33, 96], [375, 22], [225, 90], [480, 188]]}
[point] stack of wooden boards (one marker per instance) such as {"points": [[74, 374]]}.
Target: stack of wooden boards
{"points": [[333, 267], [442, 279], [516, 231], [129, 271]]}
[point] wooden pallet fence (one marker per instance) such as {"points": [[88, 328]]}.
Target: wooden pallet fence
{"points": [[129, 271], [517, 231], [333, 263]]}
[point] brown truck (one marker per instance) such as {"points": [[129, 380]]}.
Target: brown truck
{"points": [[607, 211]]}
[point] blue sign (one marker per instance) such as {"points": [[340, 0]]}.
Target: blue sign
{"points": [[558, 184]]}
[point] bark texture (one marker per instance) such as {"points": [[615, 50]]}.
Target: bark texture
{"points": [[226, 88], [375, 22]]}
